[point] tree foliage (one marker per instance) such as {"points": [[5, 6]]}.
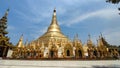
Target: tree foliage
{"points": [[113, 1]]}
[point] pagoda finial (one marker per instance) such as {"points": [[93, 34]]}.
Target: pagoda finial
{"points": [[77, 35], [21, 36], [54, 25], [54, 10], [100, 34], [99, 37], [20, 42], [89, 36], [89, 42], [6, 13], [26, 43], [3, 23]]}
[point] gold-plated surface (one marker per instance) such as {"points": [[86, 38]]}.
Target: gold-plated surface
{"points": [[20, 43], [53, 31]]}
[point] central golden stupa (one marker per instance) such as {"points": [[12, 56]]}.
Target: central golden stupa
{"points": [[53, 33]]}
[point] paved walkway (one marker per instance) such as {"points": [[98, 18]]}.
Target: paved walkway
{"points": [[59, 64]]}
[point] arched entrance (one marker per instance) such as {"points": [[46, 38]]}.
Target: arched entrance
{"points": [[95, 53], [80, 53], [1, 51], [68, 52], [28, 53], [51, 54], [100, 52], [34, 53]]}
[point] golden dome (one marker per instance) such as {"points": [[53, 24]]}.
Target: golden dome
{"points": [[53, 30]]}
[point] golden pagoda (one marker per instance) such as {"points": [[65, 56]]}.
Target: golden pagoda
{"points": [[54, 44], [53, 32], [5, 44], [53, 39], [53, 36]]}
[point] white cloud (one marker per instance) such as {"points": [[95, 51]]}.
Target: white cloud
{"points": [[29, 17], [81, 2], [37, 32], [70, 2], [103, 13], [11, 27]]}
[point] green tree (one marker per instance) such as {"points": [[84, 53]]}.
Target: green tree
{"points": [[114, 2]]}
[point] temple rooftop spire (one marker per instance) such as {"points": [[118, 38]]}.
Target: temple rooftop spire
{"points": [[6, 13], [3, 23], [54, 24], [20, 42], [89, 41], [54, 10]]}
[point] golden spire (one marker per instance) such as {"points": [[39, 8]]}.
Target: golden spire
{"points": [[20, 43], [76, 38], [53, 31], [100, 41], [26, 43], [89, 36], [89, 42], [54, 25]]}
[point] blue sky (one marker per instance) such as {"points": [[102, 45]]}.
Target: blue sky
{"points": [[32, 17]]}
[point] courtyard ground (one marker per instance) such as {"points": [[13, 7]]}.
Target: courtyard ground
{"points": [[59, 63]]}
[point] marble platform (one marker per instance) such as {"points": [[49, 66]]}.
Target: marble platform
{"points": [[59, 64]]}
